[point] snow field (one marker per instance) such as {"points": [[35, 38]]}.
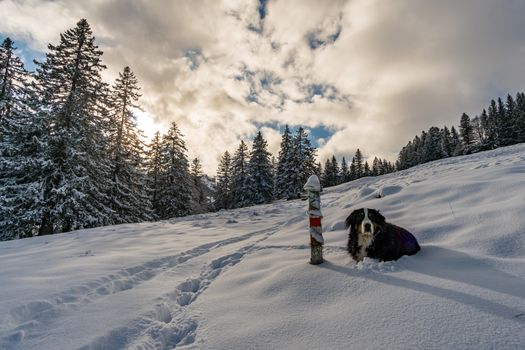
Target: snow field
{"points": [[240, 279]]}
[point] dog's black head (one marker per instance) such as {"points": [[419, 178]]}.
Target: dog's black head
{"points": [[365, 220]]}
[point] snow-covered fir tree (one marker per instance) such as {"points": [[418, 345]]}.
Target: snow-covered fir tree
{"points": [[319, 169], [327, 176], [485, 133], [331, 173], [511, 116], [467, 133], [478, 131], [335, 170], [285, 167], [273, 162], [303, 160], [375, 167], [175, 185], [353, 170], [155, 170], [71, 93], [492, 131], [224, 183], [359, 167], [432, 149], [23, 139], [129, 192], [456, 141], [344, 173], [239, 175], [504, 125], [366, 169], [259, 180], [446, 142], [200, 203], [13, 80], [520, 116]]}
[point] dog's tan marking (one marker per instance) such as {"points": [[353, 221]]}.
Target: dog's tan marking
{"points": [[364, 240]]}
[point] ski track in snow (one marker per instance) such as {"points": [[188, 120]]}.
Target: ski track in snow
{"points": [[170, 325], [26, 317]]}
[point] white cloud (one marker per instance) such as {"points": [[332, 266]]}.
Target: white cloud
{"points": [[395, 68]]}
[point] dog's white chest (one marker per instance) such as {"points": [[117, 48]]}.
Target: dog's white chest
{"points": [[364, 241]]}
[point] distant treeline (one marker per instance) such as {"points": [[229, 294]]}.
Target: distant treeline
{"points": [[333, 174], [255, 177], [501, 124]]}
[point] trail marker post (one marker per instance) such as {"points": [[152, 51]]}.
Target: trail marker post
{"points": [[313, 187]]}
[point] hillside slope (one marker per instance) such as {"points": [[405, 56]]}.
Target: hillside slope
{"points": [[240, 279]]}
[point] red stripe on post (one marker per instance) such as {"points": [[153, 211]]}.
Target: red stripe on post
{"points": [[315, 222]]}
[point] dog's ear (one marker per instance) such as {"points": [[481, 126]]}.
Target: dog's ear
{"points": [[351, 219], [378, 216]]}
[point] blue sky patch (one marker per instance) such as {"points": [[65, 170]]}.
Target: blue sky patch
{"points": [[195, 58], [262, 10], [317, 39], [26, 54], [315, 133]]}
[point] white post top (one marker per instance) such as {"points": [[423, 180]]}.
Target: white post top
{"points": [[312, 184]]}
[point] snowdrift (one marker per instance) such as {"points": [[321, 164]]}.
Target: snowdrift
{"points": [[240, 279]]}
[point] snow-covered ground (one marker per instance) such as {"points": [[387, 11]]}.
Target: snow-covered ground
{"points": [[241, 280]]}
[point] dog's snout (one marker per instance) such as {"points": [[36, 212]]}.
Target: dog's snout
{"points": [[368, 227]]}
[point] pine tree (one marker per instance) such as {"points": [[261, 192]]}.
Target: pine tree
{"points": [[512, 116], [375, 166], [223, 188], [344, 174], [456, 142], [520, 117], [404, 159], [303, 160], [239, 175], [467, 133], [484, 132], [335, 171], [72, 93], [273, 163], [176, 185], [129, 193], [319, 170], [478, 133], [419, 142], [366, 169], [432, 149], [285, 168], [199, 199], [493, 120], [353, 169], [259, 181], [386, 167], [504, 125], [446, 142], [155, 168], [13, 78], [326, 178], [358, 164], [22, 144], [331, 173]]}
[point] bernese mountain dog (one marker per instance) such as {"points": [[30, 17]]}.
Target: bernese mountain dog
{"points": [[369, 235]]}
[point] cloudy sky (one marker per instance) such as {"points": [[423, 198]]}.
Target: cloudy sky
{"points": [[363, 73]]}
